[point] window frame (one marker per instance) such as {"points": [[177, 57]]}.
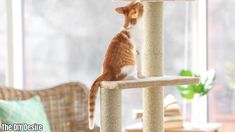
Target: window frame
{"points": [[200, 52], [14, 72]]}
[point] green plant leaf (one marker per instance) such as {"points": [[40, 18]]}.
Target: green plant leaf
{"points": [[191, 87], [186, 73], [188, 95], [181, 88], [204, 92], [199, 88]]}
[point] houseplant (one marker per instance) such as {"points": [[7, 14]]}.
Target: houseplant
{"points": [[194, 93], [206, 82]]}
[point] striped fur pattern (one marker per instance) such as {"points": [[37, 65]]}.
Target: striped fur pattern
{"points": [[119, 62]]}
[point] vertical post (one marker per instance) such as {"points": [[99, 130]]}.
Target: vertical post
{"points": [[110, 109], [199, 57], [153, 66], [15, 43]]}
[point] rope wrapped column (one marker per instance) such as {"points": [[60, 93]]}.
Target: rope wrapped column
{"points": [[110, 108], [153, 66]]}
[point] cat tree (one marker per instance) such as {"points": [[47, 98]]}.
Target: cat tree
{"points": [[153, 64]]}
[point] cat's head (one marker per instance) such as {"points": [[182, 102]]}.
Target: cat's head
{"points": [[132, 12]]}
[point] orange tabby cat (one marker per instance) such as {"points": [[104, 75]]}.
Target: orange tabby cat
{"points": [[120, 60]]}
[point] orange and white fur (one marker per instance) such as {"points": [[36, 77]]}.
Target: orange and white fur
{"points": [[122, 59]]}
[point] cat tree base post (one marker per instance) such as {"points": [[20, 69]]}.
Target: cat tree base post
{"points": [[153, 66], [110, 110]]}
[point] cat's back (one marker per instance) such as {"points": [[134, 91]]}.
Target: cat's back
{"points": [[121, 39], [120, 50]]}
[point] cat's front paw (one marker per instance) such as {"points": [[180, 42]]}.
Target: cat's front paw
{"points": [[137, 52]]}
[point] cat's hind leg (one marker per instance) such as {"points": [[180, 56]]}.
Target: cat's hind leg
{"points": [[130, 72]]}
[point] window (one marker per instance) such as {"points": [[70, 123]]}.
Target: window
{"points": [[66, 41], [221, 56], [3, 40]]}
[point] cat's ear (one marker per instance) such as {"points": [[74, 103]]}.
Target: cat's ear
{"points": [[137, 10], [134, 13], [120, 10]]}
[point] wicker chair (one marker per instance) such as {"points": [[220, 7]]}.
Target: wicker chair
{"points": [[65, 105]]}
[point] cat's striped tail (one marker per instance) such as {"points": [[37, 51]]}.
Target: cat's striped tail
{"points": [[92, 97]]}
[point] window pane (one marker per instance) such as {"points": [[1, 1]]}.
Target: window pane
{"points": [[3, 35], [221, 56], [175, 34], [66, 41]]}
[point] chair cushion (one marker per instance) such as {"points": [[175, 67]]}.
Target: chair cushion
{"points": [[28, 114]]}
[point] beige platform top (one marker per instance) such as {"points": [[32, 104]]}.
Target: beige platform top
{"points": [[150, 82], [156, 0]]}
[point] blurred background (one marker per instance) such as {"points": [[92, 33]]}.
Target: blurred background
{"points": [[57, 41]]}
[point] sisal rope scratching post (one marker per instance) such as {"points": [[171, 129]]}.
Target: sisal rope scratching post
{"points": [[110, 108], [153, 66]]}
